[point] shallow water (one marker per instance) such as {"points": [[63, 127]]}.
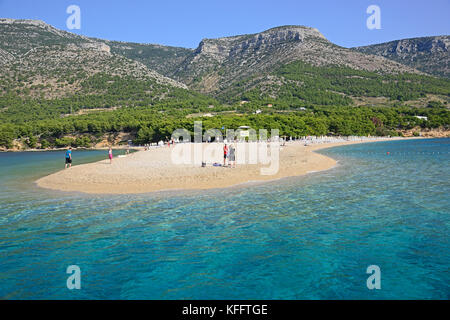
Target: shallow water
{"points": [[308, 237]]}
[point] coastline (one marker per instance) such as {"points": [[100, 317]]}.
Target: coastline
{"points": [[65, 148], [152, 171]]}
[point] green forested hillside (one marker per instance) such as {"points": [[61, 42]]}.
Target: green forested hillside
{"points": [[301, 84], [307, 101], [152, 124]]}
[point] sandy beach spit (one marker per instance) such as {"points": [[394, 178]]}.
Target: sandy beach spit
{"points": [[153, 170]]}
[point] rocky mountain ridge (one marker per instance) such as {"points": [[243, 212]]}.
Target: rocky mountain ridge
{"points": [[428, 54], [218, 63]]}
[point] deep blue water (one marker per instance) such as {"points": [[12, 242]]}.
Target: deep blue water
{"points": [[308, 237]]}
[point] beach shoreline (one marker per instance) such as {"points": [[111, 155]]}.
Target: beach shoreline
{"points": [[115, 147], [152, 171]]}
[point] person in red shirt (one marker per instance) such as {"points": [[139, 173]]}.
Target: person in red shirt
{"points": [[225, 153]]}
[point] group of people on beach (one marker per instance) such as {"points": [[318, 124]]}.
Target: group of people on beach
{"points": [[229, 152]]}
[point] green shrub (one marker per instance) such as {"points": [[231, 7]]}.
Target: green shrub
{"points": [[84, 142], [45, 144], [64, 142]]}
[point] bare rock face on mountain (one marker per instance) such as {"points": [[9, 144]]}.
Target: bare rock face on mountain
{"points": [[96, 46], [217, 63], [428, 54]]}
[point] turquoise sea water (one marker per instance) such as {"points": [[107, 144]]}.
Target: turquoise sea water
{"points": [[308, 237]]}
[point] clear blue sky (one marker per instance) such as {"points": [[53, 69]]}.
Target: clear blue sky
{"points": [[185, 23]]}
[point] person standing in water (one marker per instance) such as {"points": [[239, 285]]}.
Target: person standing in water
{"points": [[110, 155], [68, 158]]}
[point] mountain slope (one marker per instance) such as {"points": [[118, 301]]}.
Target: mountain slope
{"points": [[289, 67], [60, 71], [218, 63], [428, 54], [163, 59], [34, 53]]}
